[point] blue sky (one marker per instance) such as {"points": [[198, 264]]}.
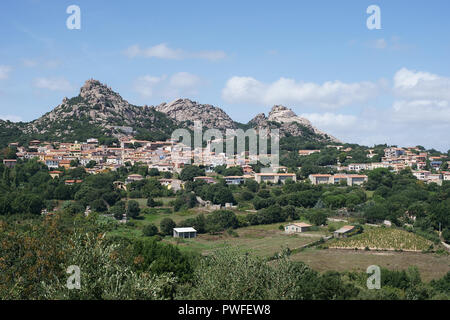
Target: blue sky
{"points": [[316, 57]]}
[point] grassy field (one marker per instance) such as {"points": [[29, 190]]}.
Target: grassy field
{"points": [[378, 238], [266, 240], [431, 266], [263, 240], [135, 230]]}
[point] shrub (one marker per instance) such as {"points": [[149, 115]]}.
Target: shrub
{"points": [[166, 226], [150, 230], [151, 203], [446, 235], [133, 209], [247, 195]]}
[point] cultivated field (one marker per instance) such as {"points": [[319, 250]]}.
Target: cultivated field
{"points": [[383, 239], [263, 240], [431, 266]]}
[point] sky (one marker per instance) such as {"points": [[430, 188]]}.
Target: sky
{"points": [[369, 86]]}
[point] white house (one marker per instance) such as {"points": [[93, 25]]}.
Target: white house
{"points": [[297, 227], [188, 232]]}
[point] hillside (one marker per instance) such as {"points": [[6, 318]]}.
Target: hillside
{"points": [[97, 111], [100, 112]]}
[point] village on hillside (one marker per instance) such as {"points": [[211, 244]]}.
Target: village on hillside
{"points": [[171, 156]]}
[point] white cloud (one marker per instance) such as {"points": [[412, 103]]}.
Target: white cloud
{"points": [[4, 72], [162, 51], [145, 85], [416, 111], [379, 44], [422, 97], [32, 63], [184, 80], [168, 87], [393, 43], [329, 95], [331, 121], [11, 118], [422, 111], [412, 84], [29, 63], [53, 84]]}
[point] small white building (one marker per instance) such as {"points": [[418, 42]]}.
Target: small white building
{"points": [[188, 232], [297, 227]]}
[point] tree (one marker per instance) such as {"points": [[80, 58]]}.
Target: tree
{"points": [[189, 172], [117, 211], [166, 226], [74, 163], [99, 205], [91, 164], [133, 209], [221, 220], [246, 195], [252, 185], [446, 235], [151, 203], [150, 230], [153, 172], [375, 212], [318, 218]]}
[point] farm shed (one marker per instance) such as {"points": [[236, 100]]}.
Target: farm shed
{"points": [[188, 232], [342, 232], [297, 227]]}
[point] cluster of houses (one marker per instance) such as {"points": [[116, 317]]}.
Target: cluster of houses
{"points": [[171, 156], [395, 159]]}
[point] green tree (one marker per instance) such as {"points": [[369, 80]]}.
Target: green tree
{"points": [[166, 226], [318, 217], [133, 209], [151, 203], [150, 230], [189, 172]]}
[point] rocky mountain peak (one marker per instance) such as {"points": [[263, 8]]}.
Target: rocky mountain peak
{"points": [[183, 110], [282, 114], [98, 108], [98, 93], [259, 120], [289, 123]]}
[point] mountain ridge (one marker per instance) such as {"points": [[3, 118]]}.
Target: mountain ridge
{"points": [[100, 111]]}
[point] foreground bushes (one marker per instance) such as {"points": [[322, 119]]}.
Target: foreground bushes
{"points": [[35, 253]]}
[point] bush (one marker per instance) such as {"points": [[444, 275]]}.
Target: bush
{"points": [[446, 235], [318, 218], [150, 230], [98, 205], [247, 195], [133, 209], [135, 194], [151, 203], [166, 226]]}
